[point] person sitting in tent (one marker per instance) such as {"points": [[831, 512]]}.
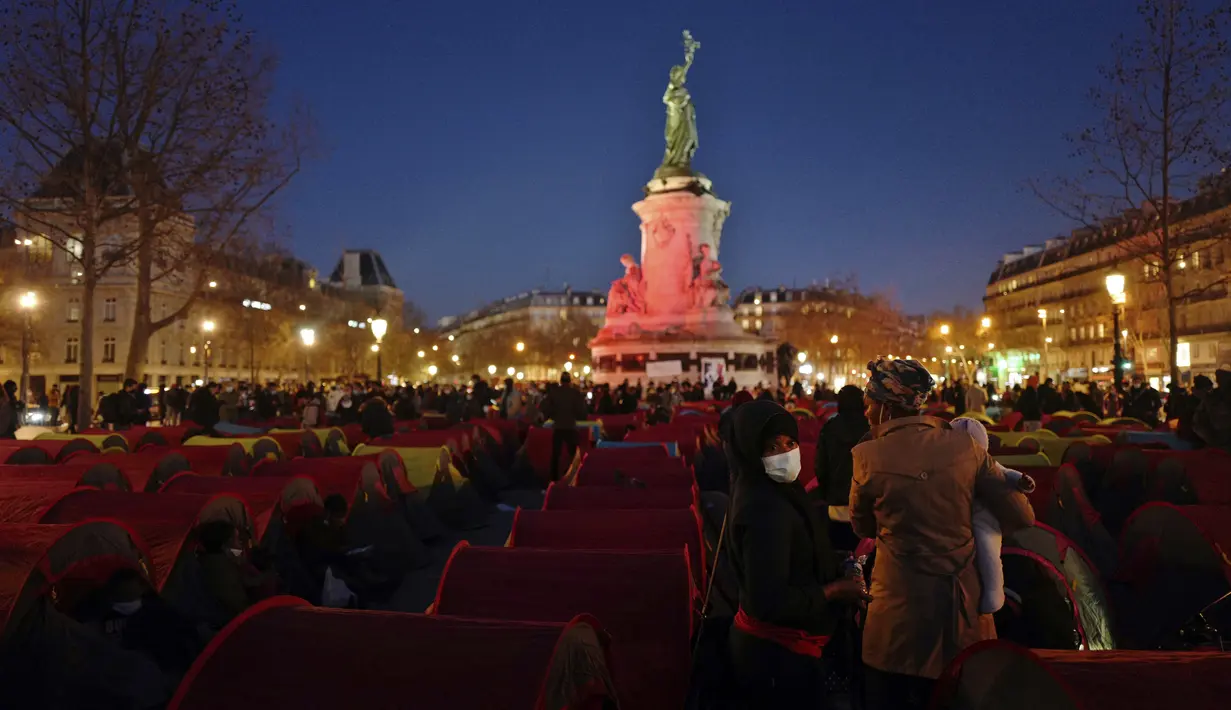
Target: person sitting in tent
{"points": [[231, 580], [324, 546], [130, 613], [375, 418], [987, 531]]}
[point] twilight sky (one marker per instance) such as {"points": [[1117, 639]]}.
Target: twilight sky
{"points": [[489, 147]]}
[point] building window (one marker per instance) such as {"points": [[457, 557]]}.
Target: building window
{"points": [[109, 310], [109, 349], [758, 323], [773, 297], [74, 310], [746, 324], [589, 300], [1072, 334], [181, 354], [162, 352], [1100, 330], [73, 250], [72, 351]]}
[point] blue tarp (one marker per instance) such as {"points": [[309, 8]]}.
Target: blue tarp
{"points": [[673, 448]]}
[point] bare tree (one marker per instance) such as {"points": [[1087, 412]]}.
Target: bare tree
{"points": [[138, 137], [1165, 100]]}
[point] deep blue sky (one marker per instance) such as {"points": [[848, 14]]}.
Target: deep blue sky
{"points": [[488, 147]]}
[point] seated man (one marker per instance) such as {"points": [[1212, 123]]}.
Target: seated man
{"points": [[232, 581]]}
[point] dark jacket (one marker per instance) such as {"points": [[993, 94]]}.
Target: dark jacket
{"points": [[1143, 403], [565, 405], [833, 456], [1028, 405], [203, 407], [778, 545]]}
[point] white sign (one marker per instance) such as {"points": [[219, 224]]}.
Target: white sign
{"points": [[665, 368]]}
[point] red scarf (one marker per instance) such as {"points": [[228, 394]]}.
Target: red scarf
{"points": [[793, 640]]}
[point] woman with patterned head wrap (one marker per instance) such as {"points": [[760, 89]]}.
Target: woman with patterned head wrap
{"points": [[913, 489]]}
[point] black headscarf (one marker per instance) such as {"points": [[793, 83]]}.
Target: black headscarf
{"points": [[752, 424]]}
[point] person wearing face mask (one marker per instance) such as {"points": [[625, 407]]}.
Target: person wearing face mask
{"points": [[914, 487], [130, 613], [230, 579], [791, 591]]}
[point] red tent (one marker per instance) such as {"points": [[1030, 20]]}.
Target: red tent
{"points": [[538, 450], [332, 471], [617, 456], [145, 471], [25, 500], [19, 451], [612, 530], [34, 559], [615, 426], [457, 440], [230, 460], [85, 474], [680, 431], [645, 598], [147, 512], [330, 658], [655, 473], [354, 435], [997, 675], [564, 497]]}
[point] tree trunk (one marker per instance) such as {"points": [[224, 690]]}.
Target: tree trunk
{"points": [[139, 342], [85, 353], [1173, 333]]}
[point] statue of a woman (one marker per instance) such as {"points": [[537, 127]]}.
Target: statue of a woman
{"points": [[681, 132]]}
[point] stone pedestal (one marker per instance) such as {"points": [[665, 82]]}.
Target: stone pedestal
{"points": [[684, 315]]}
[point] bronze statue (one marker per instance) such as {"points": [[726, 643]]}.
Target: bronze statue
{"points": [[681, 131]]}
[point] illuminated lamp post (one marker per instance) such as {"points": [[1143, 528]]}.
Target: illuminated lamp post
{"points": [[207, 327], [379, 327], [308, 337], [1115, 289], [28, 301]]}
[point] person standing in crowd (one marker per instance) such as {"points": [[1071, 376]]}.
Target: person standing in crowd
{"points": [[203, 407], [480, 397], [1049, 398], [914, 488], [1177, 399], [1212, 420], [791, 591], [510, 400], [10, 411], [1202, 386], [1068, 398], [833, 462], [72, 398], [1029, 407], [1091, 399], [976, 400], [564, 406], [53, 406], [1142, 402]]}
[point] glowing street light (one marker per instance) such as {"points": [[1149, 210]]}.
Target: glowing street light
{"points": [[422, 354], [585, 370], [28, 301], [450, 338], [491, 369], [944, 329], [208, 326], [432, 370], [213, 284], [521, 376], [991, 346], [435, 348], [510, 371], [986, 322], [520, 347], [308, 337], [376, 349], [455, 358], [416, 331], [303, 307], [802, 357], [833, 339], [1043, 314], [568, 367], [948, 348]]}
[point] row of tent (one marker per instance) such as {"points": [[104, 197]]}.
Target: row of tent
{"points": [[66, 527]]}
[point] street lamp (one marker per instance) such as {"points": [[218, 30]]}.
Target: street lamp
{"points": [[28, 301], [379, 327], [986, 322], [1115, 289], [207, 327], [491, 369], [510, 371], [802, 357], [1046, 341], [308, 337], [520, 347], [944, 329], [432, 370], [833, 339]]}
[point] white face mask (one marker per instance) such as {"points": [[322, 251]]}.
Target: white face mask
{"points": [[127, 608], [782, 468], [236, 552]]}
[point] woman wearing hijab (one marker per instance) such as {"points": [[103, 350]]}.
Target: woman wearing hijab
{"points": [[833, 462], [791, 591], [914, 486]]}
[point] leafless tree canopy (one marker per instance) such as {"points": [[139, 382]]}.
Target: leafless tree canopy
{"points": [[1166, 108]]}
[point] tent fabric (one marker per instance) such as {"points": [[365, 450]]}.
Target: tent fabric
{"points": [[33, 557], [998, 675], [644, 598], [562, 497], [226, 459], [145, 471], [52, 449], [1173, 566], [612, 530], [423, 520], [672, 448], [330, 470], [1046, 616], [537, 447], [25, 501], [255, 446], [1093, 605], [653, 475], [1191, 478], [101, 441], [332, 441], [683, 434], [1059, 500], [347, 657], [615, 426]]}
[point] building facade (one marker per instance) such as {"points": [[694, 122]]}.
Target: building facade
{"points": [[1051, 313], [536, 333]]}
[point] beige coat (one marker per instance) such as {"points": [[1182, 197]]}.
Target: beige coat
{"points": [[913, 488]]}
